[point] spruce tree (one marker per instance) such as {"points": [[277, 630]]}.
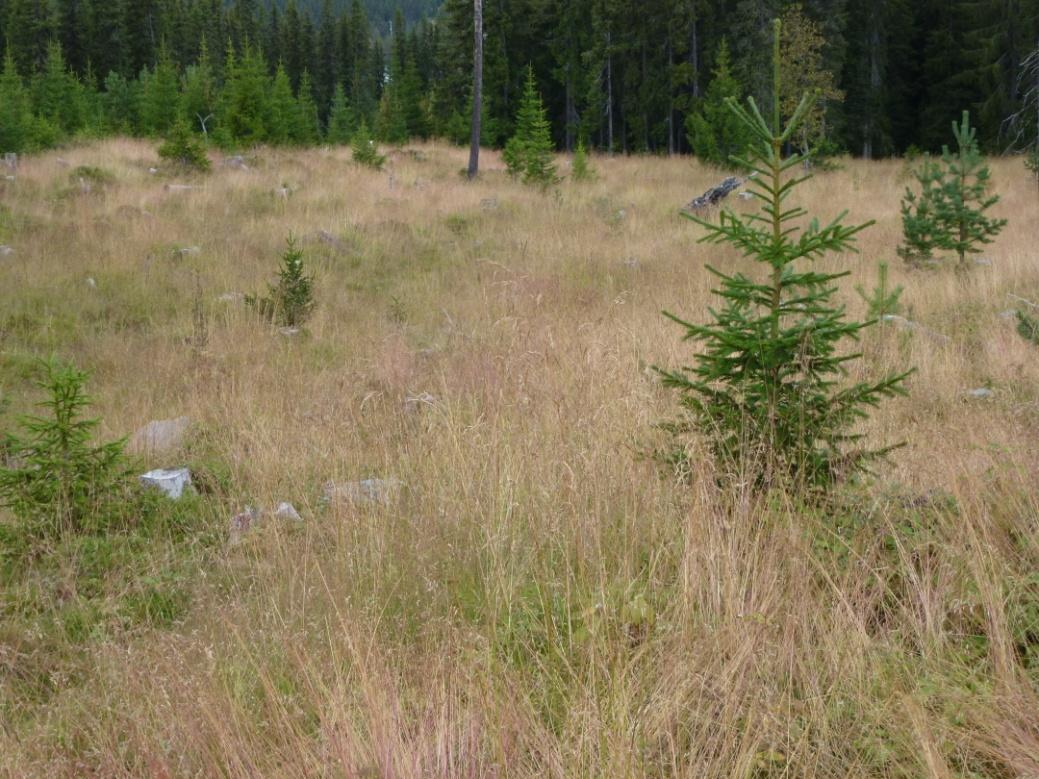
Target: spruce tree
{"points": [[715, 134], [160, 101], [341, 119], [365, 151], [282, 118], [184, 149], [581, 170], [16, 120], [949, 211], [767, 389], [530, 154]]}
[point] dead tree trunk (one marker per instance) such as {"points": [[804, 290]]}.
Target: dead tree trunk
{"points": [[474, 138]]}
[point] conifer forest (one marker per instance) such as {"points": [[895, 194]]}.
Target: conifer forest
{"points": [[625, 76]]}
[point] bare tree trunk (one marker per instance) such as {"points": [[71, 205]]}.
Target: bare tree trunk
{"points": [[474, 139], [609, 92]]}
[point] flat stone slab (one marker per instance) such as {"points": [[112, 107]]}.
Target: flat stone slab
{"points": [[366, 492], [172, 482]]}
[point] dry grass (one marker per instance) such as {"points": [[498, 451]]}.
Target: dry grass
{"points": [[487, 622]]}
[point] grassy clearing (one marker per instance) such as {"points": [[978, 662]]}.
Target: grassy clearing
{"points": [[538, 601]]}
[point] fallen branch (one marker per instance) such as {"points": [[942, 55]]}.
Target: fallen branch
{"points": [[712, 197]]}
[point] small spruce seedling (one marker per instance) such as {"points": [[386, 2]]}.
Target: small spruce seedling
{"points": [[530, 153], [767, 390], [365, 150], [57, 480], [882, 301], [581, 170], [949, 211], [290, 301], [184, 149]]}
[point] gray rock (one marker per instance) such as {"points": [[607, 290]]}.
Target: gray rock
{"points": [[172, 482], [243, 522], [327, 238], [231, 297], [6, 251], [11, 160], [153, 171], [185, 251], [181, 187], [10, 178], [237, 162], [161, 435], [489, 204], [287, 511], [981, 393], [413, 403], [745, 195], [1009, 315], [289, 332], [984, 262], [907, 324], [91, 282], [361, 493]]}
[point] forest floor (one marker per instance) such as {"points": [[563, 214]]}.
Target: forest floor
{"points": [[537, 598]]}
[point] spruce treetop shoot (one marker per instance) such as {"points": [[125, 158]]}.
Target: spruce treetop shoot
{"points": [[768, 389]]}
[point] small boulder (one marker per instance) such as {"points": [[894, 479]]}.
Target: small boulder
{"points": [[6, 251], [172, 482], [243, 522], [289, 332], [231, 297], [186, 251], [981, 393], [160, 435], [362, 493], [237, 162], [287, 512], [413, 403], [180, 187], [91, 282]]}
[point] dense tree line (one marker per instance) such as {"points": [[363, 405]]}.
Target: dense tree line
{"points": [[623, 75]]}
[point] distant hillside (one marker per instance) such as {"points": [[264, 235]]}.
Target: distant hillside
{"points": [[380, 12]]}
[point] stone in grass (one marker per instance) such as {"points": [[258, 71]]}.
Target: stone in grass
{"points": [[242, 522], [185, 251], [6, 251], [366, 492], [160, 435], [172, 482], [237, 162], [287, 511], [981, 393], [251, 518]]}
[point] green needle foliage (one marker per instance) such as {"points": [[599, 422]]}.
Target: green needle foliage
{"points": [[530, 153], [582, 169], [184, 149], [949, 211], [882, 301], [365, 150], [290, 301], [1028, 327], [767, 390], [1032, 163], [55, 479]]}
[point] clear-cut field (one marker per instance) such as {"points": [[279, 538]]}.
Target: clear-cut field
{"points": [[536, 598]]}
